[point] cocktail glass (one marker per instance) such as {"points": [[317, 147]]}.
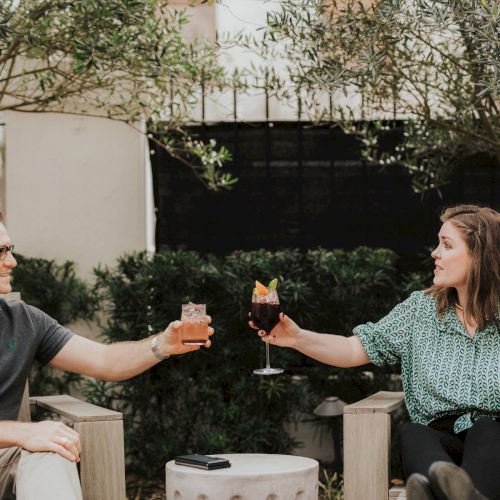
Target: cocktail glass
{"points": [[194, 330], [265, 315]]}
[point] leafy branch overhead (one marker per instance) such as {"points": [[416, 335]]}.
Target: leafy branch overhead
{"points": [[433, 64], [122, 59]]}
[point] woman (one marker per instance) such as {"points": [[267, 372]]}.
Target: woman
{"points": [[447, 339]]}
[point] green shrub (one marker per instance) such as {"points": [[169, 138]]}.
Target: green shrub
{"points": [[53, 288], [209, 401], [56, 290]]}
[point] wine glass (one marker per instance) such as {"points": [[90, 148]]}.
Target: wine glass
{"points": [[265, 315]]}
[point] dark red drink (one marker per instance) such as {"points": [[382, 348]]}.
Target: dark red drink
{"points": [[265, 315]]}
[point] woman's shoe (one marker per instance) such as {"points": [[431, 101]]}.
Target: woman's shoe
{"points": [[451, 482], [418, 488]]}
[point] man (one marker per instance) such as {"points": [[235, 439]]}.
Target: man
{"points": [[38, 460]]}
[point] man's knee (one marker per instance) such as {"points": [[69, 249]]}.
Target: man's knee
{"points": [[46, 475], [46, 459]]}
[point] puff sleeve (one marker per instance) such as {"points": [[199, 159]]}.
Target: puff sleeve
{"points": [[386, 340]]}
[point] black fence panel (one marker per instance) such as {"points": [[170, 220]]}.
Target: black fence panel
{"points": [[303, 185]]}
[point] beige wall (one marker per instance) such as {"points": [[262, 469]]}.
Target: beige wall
{"points": [[201, 24], [74, 188]]}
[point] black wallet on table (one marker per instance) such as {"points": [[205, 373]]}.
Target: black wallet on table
{"points": [[202, 461]]}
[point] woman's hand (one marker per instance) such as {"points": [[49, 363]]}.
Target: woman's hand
{"points": [[284, 334]]}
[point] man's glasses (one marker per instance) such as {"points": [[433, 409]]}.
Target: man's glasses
{"points": [[4, 251]]}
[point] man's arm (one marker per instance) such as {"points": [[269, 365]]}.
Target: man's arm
{"points": [[107, 362], [122, 360]]}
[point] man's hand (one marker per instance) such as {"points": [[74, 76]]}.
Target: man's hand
{"points": [[170, 341], [284, 334], [51, 436]]}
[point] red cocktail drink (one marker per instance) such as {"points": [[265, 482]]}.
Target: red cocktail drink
{"points": [[265, 314]]}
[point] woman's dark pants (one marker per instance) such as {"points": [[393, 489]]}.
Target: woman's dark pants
{"points": [[476, 450]]}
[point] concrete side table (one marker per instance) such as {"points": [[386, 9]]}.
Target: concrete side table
{"points": [[250, 477]]}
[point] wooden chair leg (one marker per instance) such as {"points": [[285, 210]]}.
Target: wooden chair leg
{"points": [[367, 447], [102, 465]]}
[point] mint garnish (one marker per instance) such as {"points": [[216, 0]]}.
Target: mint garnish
{"points": [[273, 284]]}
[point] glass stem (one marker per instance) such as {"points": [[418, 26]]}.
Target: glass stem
{"points": [[268, 364]]}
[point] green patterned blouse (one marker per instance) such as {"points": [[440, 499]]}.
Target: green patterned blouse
{"points": [[444, 370]]}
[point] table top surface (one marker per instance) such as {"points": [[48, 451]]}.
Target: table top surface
{"points": [[251, 463]]}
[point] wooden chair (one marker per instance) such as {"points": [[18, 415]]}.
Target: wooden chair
{"points": [[102, 461], [367, 448]]}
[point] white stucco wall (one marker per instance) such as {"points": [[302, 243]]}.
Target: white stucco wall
{"points": [[74, 188]]}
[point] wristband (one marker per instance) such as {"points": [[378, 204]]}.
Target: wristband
{"points": [[155, 350]]}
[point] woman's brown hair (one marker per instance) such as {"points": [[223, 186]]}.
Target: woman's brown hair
{"points": [[480, 228]]}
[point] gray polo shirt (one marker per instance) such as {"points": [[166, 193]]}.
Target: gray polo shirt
{"points": [[26, 333]]}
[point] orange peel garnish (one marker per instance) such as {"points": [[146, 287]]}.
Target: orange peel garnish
{"points": [[260, 288]]}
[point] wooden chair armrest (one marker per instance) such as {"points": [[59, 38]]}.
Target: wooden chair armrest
{"points": [[102, 465], [74, 409], [380, 402], [367, 445]]}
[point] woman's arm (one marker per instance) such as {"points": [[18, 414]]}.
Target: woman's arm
{"points": [[336, 350]]}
